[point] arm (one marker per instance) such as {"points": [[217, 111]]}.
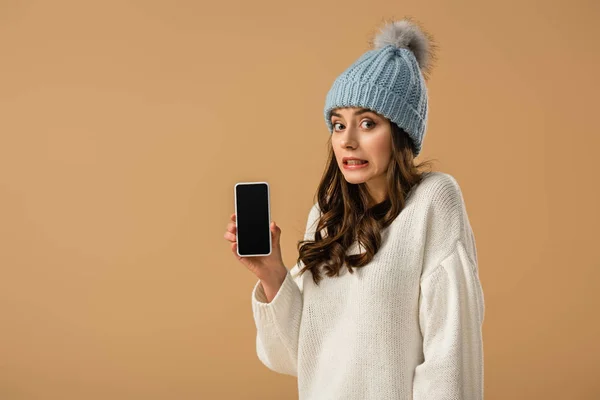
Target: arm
{"points": [[278, 321], [451, 312], [277, 326]]}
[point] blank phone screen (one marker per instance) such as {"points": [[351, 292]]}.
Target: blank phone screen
{"points": [[253, 219]]}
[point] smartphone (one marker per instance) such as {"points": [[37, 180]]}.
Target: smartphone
{"points": [[252, 219]]}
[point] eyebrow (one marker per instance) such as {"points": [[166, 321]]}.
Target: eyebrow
{"points": [[357, 112]]}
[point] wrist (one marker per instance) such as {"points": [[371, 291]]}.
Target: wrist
{"points": [[274, 278]]}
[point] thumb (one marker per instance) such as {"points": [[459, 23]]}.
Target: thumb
{"points": [[276, 232]]}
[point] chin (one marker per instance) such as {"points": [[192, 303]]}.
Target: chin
{"points": [[354, 179]]}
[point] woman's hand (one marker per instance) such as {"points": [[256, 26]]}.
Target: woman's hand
{"points": [[269, 269]]}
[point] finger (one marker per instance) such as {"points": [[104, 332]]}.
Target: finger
{"points": [[229, 236], [231, 227], [232, 217], [275, 233]]}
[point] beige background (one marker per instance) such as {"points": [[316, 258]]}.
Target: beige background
{"points": [[124, 126]]}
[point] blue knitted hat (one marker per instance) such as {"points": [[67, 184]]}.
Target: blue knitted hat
{"points": [[389, 79]]}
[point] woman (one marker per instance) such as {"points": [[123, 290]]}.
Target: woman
{"points": [[384, 301]]}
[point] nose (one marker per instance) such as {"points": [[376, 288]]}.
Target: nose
{"points": [[348, 145], [348, 140]]}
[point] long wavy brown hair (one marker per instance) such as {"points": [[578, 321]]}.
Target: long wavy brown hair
{"points": [[348, 212]]}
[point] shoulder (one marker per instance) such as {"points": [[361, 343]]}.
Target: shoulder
{"points": [[447, 222], [441, 200], [440, 193], [439, 185], [314, 214]]}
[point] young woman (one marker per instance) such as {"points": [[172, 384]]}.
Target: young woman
{"points": [[384, 301]]}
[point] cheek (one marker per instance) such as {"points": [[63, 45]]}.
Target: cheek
{"points": [[382, 153], [337, 156]]}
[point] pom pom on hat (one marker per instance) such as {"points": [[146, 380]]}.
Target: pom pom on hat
{"points": [[409, 35]]}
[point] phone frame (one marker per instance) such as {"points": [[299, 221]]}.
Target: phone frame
{"points": [[237, 248]]}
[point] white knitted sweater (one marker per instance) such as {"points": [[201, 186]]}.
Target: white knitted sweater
{"points": [[408, 325]]}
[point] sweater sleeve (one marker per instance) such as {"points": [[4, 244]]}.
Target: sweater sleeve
{"points": [[278, 322], [451, 312]]}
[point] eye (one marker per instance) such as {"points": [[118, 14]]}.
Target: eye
{"points": [[334, 124], [367, 121], [370, 122]]}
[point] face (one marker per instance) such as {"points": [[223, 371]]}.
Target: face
{"points": [[364, 134]]}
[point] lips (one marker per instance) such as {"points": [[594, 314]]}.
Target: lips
{"points": [[346, 159], [355, 166]]}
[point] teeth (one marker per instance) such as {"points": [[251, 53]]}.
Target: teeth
{"points": [[355, 162]]}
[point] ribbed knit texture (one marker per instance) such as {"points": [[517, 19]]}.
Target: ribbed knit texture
{"points": [[388, 81], [406, 326]]}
